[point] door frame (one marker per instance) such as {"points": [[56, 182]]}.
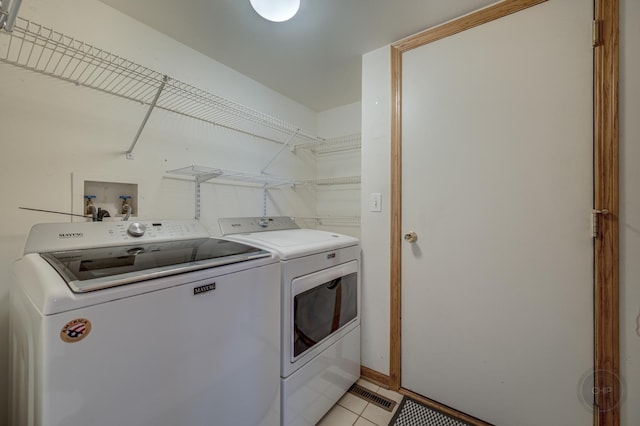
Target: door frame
{"points": [[606, 192]]}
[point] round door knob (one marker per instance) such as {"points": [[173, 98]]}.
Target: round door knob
{"points": [[137, 229], [411, 237]]}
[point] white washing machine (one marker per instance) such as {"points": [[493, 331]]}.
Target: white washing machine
{"points": [[143, 324], [320, 322]]}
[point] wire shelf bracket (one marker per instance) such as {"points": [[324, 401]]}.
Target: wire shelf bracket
{"points": [[129, 153], [282, 148]]}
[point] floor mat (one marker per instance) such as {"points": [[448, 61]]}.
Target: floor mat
{"points": [[413, 413]]}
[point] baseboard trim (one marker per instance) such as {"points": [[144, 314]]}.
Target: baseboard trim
{"points": [[383, 380], [374, 376]]}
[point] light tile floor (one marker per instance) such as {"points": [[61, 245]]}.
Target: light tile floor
{"points": [[355, 411]]}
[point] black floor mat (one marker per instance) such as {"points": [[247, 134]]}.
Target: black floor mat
{"points": [[413, 413]]}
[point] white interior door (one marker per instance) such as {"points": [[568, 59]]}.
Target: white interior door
{"points": [[497, 166]]}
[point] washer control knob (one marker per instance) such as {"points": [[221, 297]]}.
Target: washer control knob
{"points": [[137, 229], [263, 223]]}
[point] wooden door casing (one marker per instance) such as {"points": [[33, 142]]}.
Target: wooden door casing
{"points": [[606, 188]]}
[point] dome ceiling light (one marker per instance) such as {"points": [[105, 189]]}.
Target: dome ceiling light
{"points": [[276, 10]]}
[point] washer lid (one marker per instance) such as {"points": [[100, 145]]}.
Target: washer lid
{"points": [[98, 268]]}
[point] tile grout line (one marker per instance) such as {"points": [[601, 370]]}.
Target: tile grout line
{"points": [[359, 415]]}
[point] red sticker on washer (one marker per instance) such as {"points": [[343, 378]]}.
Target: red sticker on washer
{"points": [[75, 330]]}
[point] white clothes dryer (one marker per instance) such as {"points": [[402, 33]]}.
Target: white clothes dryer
{"points": [[320, 314]]}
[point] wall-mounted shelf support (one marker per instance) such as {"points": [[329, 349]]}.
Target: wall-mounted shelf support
{"points": [[264, 200], [282, 148], [8, 13], [129, 153], [201, 178]]}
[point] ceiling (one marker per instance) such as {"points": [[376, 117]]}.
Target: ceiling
{"points": [[315, 58]]}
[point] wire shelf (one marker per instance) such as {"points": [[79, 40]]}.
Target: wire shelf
{"points": [[37, 48], [203, 174], [332, 145], [340, 180], [328, 220]]}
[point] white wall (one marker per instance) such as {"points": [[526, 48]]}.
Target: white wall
{"points": [[375, 236], [340, 121], [375, 226], [50, 129], [630, 209], [339, 200]]}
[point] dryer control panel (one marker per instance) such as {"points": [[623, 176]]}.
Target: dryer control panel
{"points": [[245, 225]]}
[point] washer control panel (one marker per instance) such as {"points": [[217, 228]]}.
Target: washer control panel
{"points": [[68, 236]]}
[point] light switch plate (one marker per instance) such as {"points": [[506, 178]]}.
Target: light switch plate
{"points": [[375, 204]]}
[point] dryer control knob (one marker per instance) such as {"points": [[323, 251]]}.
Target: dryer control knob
{"points": [[137, 229]]}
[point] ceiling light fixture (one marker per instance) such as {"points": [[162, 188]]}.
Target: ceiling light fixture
{"points": [[276, 10]]}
